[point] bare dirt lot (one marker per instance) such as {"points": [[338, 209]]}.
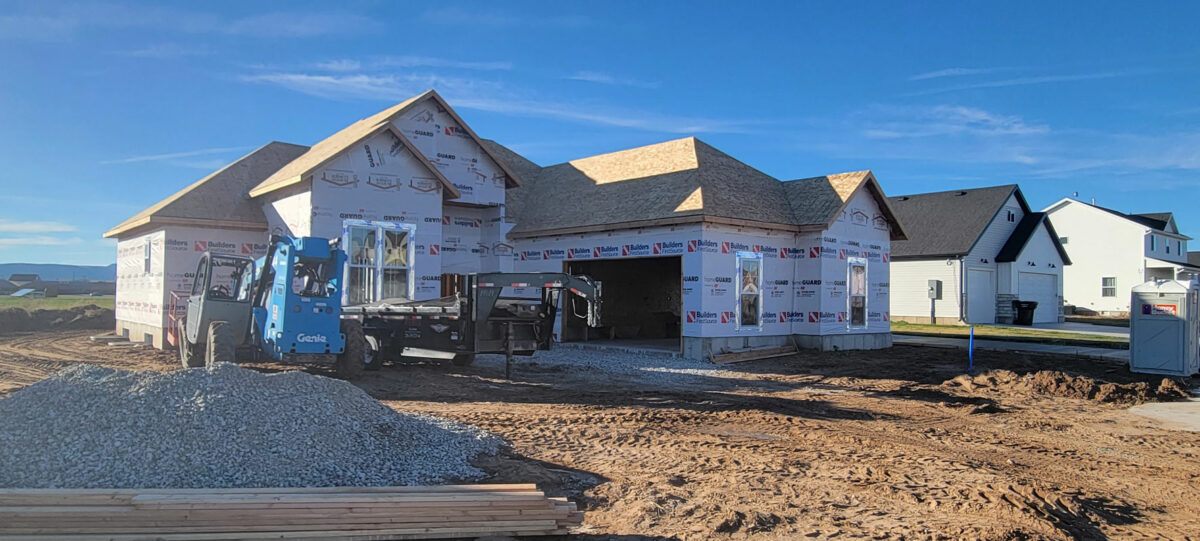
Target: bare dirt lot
{"points": [[834, 445]]}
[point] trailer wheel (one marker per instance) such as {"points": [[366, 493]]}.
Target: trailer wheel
{"points": [[463, 359], [221, 347], [371, 358], [350, 363], [187, 352]]}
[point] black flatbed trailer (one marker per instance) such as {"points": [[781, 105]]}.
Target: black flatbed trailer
{"points": [[474, 320]]}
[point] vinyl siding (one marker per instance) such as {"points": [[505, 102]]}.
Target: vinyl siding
{"points": [[910, 287], [1099, 245]]}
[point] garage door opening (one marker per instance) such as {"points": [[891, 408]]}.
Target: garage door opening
{"points": [[642, 303]]}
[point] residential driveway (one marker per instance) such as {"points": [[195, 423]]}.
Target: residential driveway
{"points": [[1083, 328], [1183, 415], [1118, 355]]}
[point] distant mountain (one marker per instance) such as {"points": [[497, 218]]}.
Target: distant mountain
{"points": [[54, 272]]}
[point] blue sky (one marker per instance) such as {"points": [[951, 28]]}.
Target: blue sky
{"points": [[106, 108]]}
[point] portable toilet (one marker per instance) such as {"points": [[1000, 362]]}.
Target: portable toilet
{"points": [[1164, 323]]}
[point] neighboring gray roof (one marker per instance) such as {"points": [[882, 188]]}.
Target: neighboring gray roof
{"points": [[947, 224], [1194, 258], [1023, 232], [24, 277], [6, 286], [1156, 220], [221, 196], [673, 182]]}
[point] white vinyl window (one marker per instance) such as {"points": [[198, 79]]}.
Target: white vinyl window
{"points": [[1108, 287], [379, 261], [858, 293], [146, 258], [749, 290]]}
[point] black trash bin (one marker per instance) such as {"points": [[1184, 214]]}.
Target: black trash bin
{"points": [[1024, 312]]}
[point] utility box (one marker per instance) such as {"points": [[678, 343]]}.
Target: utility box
{"points": [[935, 290], [1164, 324]]}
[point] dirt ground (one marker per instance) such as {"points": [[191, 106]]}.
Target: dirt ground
{"points": [[834, 445]]}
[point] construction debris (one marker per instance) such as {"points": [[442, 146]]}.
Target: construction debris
{"points": [[333, 513], [93, 427]]}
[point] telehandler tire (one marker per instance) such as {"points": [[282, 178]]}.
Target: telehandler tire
{"points": [[372, 360], [463, 359], [187, 352], [221, 346], [350, 362]]}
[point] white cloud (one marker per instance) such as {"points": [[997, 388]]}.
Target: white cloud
{"points": [[477, 17], [954, 72], [340, 65], [432, 62], [606, 79], [7, 226], [171, 156], [942, 120], [472, 93], [60, 22], [164, 51], [34, 241], [1035, 80]]}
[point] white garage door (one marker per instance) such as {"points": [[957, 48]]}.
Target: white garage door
{"points": [[981, 297], [1042, 289]]}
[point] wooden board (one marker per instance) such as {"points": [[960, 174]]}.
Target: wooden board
{"points": [[338, 514], [753, 354]]}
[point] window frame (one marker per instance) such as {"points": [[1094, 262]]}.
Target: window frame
{"points": [[851, 263], [377, 269], [1108, 290], [148, 257], [742, 296]]}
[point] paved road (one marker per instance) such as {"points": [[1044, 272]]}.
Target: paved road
{"points": [[1119, 355], [1083, 328]]}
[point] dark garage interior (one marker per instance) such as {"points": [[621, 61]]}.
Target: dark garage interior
{"points": [[642, 300]]}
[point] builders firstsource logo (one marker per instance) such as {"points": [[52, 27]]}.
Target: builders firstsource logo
{"points": [[728, 317], [768, 251], [731, 247], [606, 251], [670, 247], [176, 245], [215, 246], [630, 250], [579, 253], [554, 253], [531, 255], [791, 317], [697, 316], [702, 245]]}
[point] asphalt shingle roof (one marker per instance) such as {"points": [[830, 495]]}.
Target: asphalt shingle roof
{"points": [[1025, 231], [947, 224]]}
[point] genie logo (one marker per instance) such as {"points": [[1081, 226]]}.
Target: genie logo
{"points": [[696, 316], [311, 338], [606, 251], [635, 249]]}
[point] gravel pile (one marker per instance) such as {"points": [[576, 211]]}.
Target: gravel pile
{"points": [[89, 426], [648, 370]]}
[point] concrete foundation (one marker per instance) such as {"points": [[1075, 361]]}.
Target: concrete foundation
{"points": [[702, 349], [137, 332]]}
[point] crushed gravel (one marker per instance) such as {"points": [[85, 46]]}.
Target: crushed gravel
{"points": [[89, 426]]}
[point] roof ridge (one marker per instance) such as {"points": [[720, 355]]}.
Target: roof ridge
{"points": [[981, 188]]}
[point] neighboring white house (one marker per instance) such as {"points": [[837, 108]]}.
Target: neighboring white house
{"points": [[985, 247], [1113, 251]]}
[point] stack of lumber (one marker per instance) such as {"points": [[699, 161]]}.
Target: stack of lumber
{"points": [[339, 513]]}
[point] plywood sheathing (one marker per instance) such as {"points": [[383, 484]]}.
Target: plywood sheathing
{"points": [[220, 199]]}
